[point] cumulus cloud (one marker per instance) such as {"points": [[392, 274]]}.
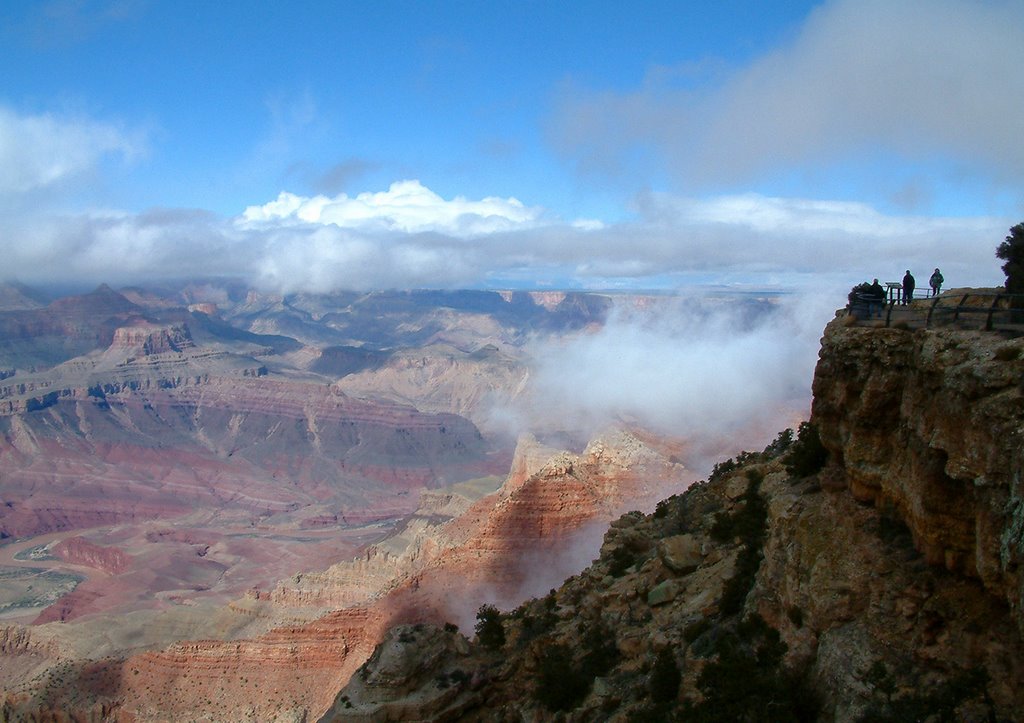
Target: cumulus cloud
{"points": [[409, 237], [40, 150], [406, 206], [903, 78]]}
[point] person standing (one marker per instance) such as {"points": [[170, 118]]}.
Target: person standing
{"points": [[876, 298], [908, 287], [936, 282]]}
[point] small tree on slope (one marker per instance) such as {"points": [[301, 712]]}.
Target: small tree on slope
{"points": [[1012, 252]]}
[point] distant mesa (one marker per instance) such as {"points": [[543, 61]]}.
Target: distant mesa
{"points": [[147, 339]]}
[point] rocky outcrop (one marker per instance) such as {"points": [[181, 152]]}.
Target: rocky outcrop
{"points": [[882, 587], [79, 551], [838, 619], [147, 339], [930, 424], [17, 640], [414, 674]]}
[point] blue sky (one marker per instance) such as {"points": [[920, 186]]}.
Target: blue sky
{"points": [[489, 144]]}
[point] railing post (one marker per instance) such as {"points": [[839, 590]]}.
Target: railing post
{"points": [[963, 300], [928, 321], [991, 309]]}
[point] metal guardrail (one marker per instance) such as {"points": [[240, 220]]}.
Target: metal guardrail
{"points": [[1010, 305], [1006, 309]]}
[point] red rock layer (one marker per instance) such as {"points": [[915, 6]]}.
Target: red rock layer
{"points": [[506, 545], [145, 451], [289, 670], [79, 551]]}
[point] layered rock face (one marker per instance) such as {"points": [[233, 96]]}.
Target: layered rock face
{"points": [[518, 540], [168, 445], [931, 424], [840, 620], [441, 378], [444, 562], [64, 329], [880, 587]]}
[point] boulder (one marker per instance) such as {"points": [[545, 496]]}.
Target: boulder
{"points": [[681, 553]]}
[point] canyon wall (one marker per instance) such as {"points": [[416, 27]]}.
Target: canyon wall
{"points": [[930, 423], [878, 583]]}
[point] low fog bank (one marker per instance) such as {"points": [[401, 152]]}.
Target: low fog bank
{"points": [[722, 373]]}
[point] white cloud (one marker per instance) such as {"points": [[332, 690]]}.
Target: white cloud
{"points": [[694, 367], [757, 235], [893, 80], [40, 150], [674, 241], [406, 206]]}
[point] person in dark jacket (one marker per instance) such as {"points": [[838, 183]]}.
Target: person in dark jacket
{"points": [[877, 295], [936, 282], [908, 287]]}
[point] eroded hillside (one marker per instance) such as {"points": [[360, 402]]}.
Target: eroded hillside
{"points": [[881, 586]]}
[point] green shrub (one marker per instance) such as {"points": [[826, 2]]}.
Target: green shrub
{"points": [[747, 682], [621, 559], [535, 626], [1011, 250], [721, 469], [601, 652], [750, 524], [807, 455], [665, 677], [780, 445], [936, 701], [490, 630], [561, 685]]}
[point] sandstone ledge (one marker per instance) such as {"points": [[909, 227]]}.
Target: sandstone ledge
{"points": [[930, 424]]}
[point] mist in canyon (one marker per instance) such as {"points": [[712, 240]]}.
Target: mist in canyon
{"points": [[400, 456], [717, 369]]}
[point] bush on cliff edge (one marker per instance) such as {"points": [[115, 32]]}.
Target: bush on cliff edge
{"points": [[807, 455], [1012, 252]]}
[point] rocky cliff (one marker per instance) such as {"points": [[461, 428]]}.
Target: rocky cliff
{"points": [[865, 572], [931, 425]]}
